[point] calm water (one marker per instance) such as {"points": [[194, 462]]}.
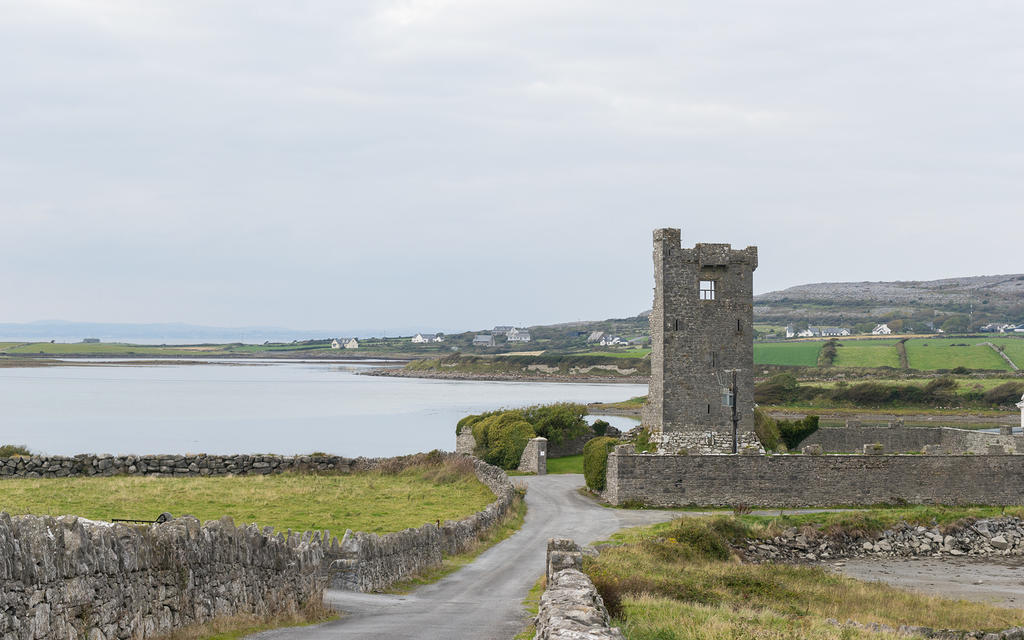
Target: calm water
{"points": [[269, 407]]}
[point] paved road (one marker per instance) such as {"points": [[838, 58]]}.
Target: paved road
{"points": [[483, 600]]}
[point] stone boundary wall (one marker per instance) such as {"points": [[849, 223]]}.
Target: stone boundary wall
{"points": [[570, 607], [176, 465], [68, 578], [371, 562], [895, 438], [534, 458], [786, 481]]}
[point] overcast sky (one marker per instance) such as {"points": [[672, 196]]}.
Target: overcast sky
{"points": [[464, 163]]}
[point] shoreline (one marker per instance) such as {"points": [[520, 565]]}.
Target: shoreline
{"points": [[384, 372]]}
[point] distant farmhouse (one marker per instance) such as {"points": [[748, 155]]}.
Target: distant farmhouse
{"points": [[518, 335], [817, 332], [423, 338], [502, 329], [90, 340], [610, 340], [483, 340], [881, 330], [1001, 327], [344, 343], [595, 336]]}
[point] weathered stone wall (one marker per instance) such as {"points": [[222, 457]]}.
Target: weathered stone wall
{"points": [[176, 465], [900, 439], [369, 562], [813, 481], [696, 342], [534, 458], [571, 608], [67, 578], [465, 443]]}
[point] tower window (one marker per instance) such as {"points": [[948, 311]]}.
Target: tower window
{"points": [[739, 327], [707, 289]]}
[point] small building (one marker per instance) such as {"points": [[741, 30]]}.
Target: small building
{"points": [[611, 341], [790, 331], [881, 330], [809, 332], [502, 329], [1020, 405], [439, 337], [518, 335], [423, 338], [90, 340], [833, 332], [595, 336], [483, 340], [344, 343]]}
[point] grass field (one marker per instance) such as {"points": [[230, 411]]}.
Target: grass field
{"points": [[108, 348], [867, 353], [679, 580], [568, 464], [373, 502], [797, 353], [927, 354]]}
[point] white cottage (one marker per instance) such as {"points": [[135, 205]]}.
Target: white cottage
{"points": [[881, 330], [344, 343], [423, 338]]}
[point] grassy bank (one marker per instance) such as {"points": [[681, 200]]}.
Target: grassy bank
{"points": [[376, 502], [235, 627], [680, 580], [536, 365]]}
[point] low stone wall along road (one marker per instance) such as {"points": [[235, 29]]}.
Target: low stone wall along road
{"points": [[484, 599]]}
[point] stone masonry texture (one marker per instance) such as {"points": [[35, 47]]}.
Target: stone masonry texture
{"points": [[67, 578], [371, 562], [571, 608], [900, 439], [696, 341], [812, 481], [175, 465], [534, 458]]}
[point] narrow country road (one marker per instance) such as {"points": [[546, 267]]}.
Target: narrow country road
{"points": [[482, 600]]}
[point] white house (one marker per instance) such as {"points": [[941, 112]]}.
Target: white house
{"points": [[595, 336], [832, 332], [423, 338], [345, 343], [609, 341], [501, 328], [809, 332], [790, 331], [881, 330], [483, 340], [439, 337], [518, 335]]}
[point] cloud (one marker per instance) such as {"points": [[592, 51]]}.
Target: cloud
{"points": [[457, 162]]}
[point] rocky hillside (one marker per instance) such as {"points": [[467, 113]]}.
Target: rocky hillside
{"points": [[990, 296]]}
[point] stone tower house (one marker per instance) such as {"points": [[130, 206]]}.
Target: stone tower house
{"points": [[701, 332]]}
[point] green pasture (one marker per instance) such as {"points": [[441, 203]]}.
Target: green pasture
{"points": [[567, 464], [928, 354], [867, 353], [373, 502], [797, 353]]}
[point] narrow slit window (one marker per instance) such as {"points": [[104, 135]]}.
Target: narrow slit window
{"points": [[707, 289], [709, 409], [739, 327], [676, 325], [714, 359]]}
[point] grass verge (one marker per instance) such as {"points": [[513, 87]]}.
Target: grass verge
{"points": [[681, 580], [513, 521], [532, 604], [375, 501], [234, 627]]}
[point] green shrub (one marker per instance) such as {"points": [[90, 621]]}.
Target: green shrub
{"points": [[767, 430], [557, 422], [11, 450], [501, 438], [470, 420], [643, 442], [1007, 393], [600, 427], [793, 432], [595, 460]]}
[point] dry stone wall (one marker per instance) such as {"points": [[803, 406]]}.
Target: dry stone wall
{"points": [[812, 480], [175, 465], [571, 608], [371, 562], [900, 439], [68, 578]]}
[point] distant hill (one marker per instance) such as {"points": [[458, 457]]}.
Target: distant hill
{"points": [[996, 297]]}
